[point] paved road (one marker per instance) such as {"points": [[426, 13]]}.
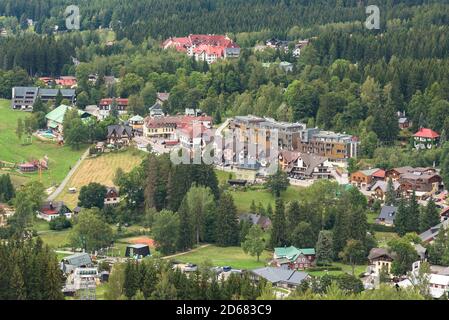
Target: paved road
{"points": [[63, 184]]}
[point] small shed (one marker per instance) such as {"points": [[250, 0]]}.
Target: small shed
{"points": [[237, 182], [137, 250]]}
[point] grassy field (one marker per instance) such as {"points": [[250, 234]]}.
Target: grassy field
{"points": [[229, 256], [243, 199], [345, 269], [101, 170], [223, 176], [56, 239], [11, 150]]}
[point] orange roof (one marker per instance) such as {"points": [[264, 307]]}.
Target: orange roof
{"points": [[426, 133], [379, 174]]}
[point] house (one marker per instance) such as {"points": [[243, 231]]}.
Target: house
{"points": [[380, 188], [363, 178], [167, 128], [193, 136], [193, 112], [119, 135], [137, 251], [279, 277], [387, 215], [275, 43], [396, 173], [77, 260], [426, 139], [136, 122], [309, 166], [23, 98], [66, 81], [404, 123], [94, 111], [293, 258], [112, 197], [106, 105], [430, 234], [156, 110], [55, 118], [421, 182], [53, 209], [286, 66], [256, 219], [203, 47], [380, 259], [299, 46]]}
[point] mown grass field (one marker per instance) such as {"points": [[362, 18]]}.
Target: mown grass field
{"points": [[102, 170], [344, 269], [243, 199], [11, 150], [228, 256]]}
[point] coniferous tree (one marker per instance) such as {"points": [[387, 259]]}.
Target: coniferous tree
{"points": [[390, 194], [429, 216], [400, 222], [324, 247], [278, 230], [227, 229], [186, 234]]}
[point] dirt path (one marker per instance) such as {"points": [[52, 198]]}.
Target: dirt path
{"points": [[183, 253], [63, 184]]}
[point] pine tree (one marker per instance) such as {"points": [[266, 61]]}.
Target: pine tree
{"points": [[293, 216], [429, 216], [359, 225], [186, 234], [413, 214], [227, 229], [400, 222], [390, 194], [132, 279], [324, 248], [278, 231]]}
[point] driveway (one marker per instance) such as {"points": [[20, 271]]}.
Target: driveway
{"points": [[63, 184]]}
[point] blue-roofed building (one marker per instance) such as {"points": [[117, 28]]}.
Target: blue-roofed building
{"points": [[387, 215]]}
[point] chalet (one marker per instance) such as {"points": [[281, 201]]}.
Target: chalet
{"points": [[279, 277], [430, 234], [156, 110], [112, 197], [24, 97], [108, 104], [387, 215], [53, 209], [310, 166], [55, 118], [256, 219], [426, 139], [136, 122], [365, 178], [421, 182], [298, 47], [293, 258], [380, 188], [380, 259], [119, 135], [396, 173]]}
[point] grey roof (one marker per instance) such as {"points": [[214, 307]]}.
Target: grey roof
{"points": [[431, 233], [54, 92], [78, 259], [21, 91], [276, 275], [388, 213], [120, 130], [262, 221], [421, 251], [312, 161], [379, 252], [383, 185]]}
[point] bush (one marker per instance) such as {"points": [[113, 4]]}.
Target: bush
{"points": [[60, 223], [381, 228], [324, 268]]}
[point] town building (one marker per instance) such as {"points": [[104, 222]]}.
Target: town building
{"points": [[380, 259], [112, 197], [430, 234], [136, 122], [50, 210], [169, 128], [380, 189], [279, 277], [293, 258], [202, 47], [426, 139], [74, 261], [106, 105], [119, 135], [304, 166], [23, 98], [55, 118], [387, 215], [156, 110]]}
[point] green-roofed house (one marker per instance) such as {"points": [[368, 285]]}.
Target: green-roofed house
{"points": [[55, 118], [293, 258]]}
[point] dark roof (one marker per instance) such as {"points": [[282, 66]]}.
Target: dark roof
{"points": [[276, 275], [52, 206], [120, 130], [388, 213], [431, 233], [379, 252], [138, 246], [255, 219]]}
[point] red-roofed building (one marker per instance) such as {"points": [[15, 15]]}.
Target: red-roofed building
{"points": [[66, 81], [426, 139], [379, 175], [105, 106], [203, 47]]}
